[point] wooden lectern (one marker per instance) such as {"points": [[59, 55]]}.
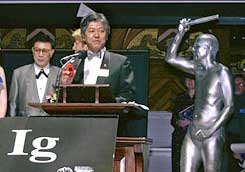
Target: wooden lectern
{"points": [[83, 108], [98, 100], [74, 93], [85, 99]]}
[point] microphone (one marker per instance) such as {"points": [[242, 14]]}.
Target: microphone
{"points": [[80, 55], [68, 66], [68, 57], [57, 82]]}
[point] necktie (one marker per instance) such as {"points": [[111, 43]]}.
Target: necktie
{"points": [[92, 54], [40, 73]]}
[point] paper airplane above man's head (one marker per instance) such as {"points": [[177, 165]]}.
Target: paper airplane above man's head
{"points": [[84, 10]]}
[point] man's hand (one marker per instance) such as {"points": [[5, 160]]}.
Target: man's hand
{"points": [[184, 25], [65, 78]]}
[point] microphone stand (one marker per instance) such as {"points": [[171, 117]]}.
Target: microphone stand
{"points": [[68, 57], [57, 82]]}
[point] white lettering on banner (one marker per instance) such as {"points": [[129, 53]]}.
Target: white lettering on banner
{"points": [[36, 153], [19, 142], [45, 157]]}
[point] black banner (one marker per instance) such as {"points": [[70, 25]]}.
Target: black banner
{"points": [[53, 144]]}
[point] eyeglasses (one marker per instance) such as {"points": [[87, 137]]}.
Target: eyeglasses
{"points": [[39, 50]]}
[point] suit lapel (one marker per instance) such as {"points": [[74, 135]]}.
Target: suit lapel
{"points": [[49, 87], [78, 79], [104, 66], [32, 83]]}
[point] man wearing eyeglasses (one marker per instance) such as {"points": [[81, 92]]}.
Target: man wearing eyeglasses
{"points": [[33, 82]]}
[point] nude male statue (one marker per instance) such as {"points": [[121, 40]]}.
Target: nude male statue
{"points": [[205, 138]]}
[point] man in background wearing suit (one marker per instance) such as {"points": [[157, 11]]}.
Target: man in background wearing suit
{"points": [[102, 66], [32, 82]]}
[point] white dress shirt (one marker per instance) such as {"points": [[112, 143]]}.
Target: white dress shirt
{"points": [[41, 81], [92, 67]]}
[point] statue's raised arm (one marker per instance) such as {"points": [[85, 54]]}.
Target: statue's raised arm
{"points": [[172, 57], [172, 52]]}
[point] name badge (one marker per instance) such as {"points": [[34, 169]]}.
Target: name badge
{"points": [[103, 72]]}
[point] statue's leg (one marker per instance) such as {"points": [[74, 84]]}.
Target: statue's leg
{"points": [[190, 155], [212, 151]]}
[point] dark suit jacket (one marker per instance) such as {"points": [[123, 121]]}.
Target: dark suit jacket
{"points": [[24, 90], [120, 79]]}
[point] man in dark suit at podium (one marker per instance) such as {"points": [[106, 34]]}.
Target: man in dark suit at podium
{"points": [[101, 66]]}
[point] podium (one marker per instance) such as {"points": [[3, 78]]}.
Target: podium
{"points": [[83, 108], [49, 143], [131, 149], [80, 93]]}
